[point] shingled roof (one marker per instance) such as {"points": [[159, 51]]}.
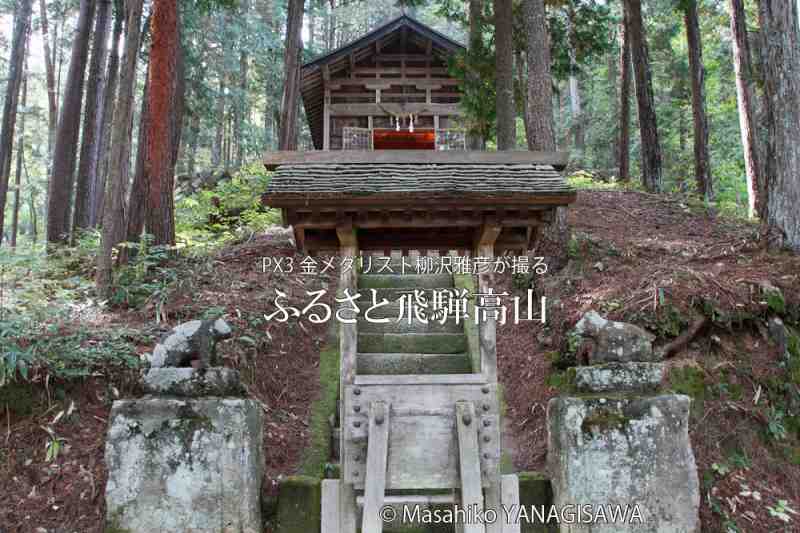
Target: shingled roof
{"points": [[515, 183]]}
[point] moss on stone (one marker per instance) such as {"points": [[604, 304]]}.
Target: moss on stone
{"points": [[317, 455], [535, 490], [563, 381], [690, 381], [467, 282], [604, 420], [299, 505]]}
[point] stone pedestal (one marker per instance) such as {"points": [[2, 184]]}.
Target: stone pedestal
{"points": [[619, 453], [181, 464], [608, 452]]}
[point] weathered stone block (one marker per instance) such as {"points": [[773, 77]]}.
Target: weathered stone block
{"points": [[184, 465], [623, 377], [608, 341], [636, 452], [192, 383]]}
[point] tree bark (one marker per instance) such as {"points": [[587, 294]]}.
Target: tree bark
{"points": [[114, 212], [648, 126], [22, 18], [702, 160], [163, 98], [623, 149], [744, 97], [504, 83], [576, 112], [59, 200], [20, 159], [50, 76], [287, 136], [141, 183], [539, 109], [475, 140], [87, 166], [612, 78], [782, 95], [105, 118], [217, 151]]}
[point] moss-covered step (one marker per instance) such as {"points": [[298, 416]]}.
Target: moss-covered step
{"points": [[413, 363], [412, 343], [299, 505], [393, 294], [393, 325], [411, 281]]}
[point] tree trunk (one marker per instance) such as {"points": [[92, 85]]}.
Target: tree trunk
{"points": [[114, 212], [539, 109], [87, 166], [782, 95], [648, 126], [141, 183], [22, 18], [105, 118], [574, 90], [521, 89], [539, 114], [50, 75], [612, 77], [287, 137], [744, 98], [504, 84], [475, 140], [702, 160], [164, 74], [64, 153], [20, 159], [218, 150]]}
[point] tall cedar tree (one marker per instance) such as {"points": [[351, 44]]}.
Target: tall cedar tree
{"points": [[702, 159], [113, 210], [50, 76], [475, 140], [105, 118], [504, 62], [648, 126], [782, 98], [575, 109], [287, 133], [744, 97], [162, 98], [539, 109], [59, 205], [623, 147], [87, 165], [22, 20], [20, 159]]}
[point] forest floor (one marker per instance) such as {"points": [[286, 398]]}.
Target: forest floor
{"points": [[658, 261]]}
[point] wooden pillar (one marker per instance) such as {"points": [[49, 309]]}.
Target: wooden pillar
{"points": [[326, 111], [348, 344], [485, 237]]}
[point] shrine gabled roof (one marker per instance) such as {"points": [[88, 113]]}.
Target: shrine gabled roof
{"points": [[312, 83]]}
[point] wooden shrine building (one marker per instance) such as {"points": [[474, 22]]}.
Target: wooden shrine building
{"points": [[387, 89]]}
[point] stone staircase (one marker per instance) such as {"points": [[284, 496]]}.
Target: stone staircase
{"points": [[407, 346]]}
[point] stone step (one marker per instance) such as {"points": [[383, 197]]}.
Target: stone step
{"points": [[415, 326], [430, 343], [413, 363], [406, 281], [391, 294]]}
